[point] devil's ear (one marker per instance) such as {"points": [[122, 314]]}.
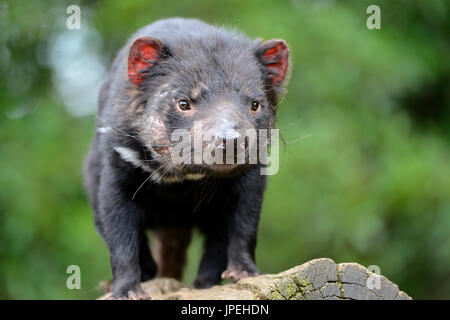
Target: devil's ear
{"points": [[144, 53], [274, 56]]}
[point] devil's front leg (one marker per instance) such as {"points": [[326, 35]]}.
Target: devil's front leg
{"points": [[214, 259], [242, 226], [122, 229]]}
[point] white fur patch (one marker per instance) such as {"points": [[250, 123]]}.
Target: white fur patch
{"points": [[194, 176], [132, 157], [172, 179], [103, 129]]}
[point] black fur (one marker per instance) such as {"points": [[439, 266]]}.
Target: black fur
{"points": [[224, 207]]}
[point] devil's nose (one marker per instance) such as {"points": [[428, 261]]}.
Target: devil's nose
{"points": [[228, 134], [226, 129]]}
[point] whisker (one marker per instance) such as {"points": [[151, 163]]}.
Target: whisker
{"points": [[117, 129], [137, 190], [293, 140], [149, 177], [292, 124]]}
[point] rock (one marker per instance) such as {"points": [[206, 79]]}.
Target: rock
{"points": [[319, 279]]}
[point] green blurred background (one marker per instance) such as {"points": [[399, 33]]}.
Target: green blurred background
{"points": [[364, 175]]}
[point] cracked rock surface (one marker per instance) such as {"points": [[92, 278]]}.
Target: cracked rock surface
{"points": [[318, 279]]}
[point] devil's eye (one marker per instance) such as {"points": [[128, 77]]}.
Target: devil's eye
{"points": [[184, 105], [255, 107]]}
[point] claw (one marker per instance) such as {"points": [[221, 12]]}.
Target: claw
{"points": [[237, 275], [131, 295]]}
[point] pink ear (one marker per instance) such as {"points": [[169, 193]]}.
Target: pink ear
{"points": [[144, 53], [274, 55]]}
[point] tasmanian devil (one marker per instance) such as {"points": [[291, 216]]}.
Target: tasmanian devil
{"points": [[172, 75]]}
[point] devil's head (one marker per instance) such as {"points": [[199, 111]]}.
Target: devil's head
{"points": [[218, 85]]}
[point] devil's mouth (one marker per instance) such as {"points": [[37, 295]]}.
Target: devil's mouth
{"points": [[222, 170]]}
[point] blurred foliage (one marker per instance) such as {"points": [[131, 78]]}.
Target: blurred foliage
{"points": [[364, 175]]}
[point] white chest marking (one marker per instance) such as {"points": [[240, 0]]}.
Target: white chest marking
{"points": [[194, 176], [132, 157]]}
